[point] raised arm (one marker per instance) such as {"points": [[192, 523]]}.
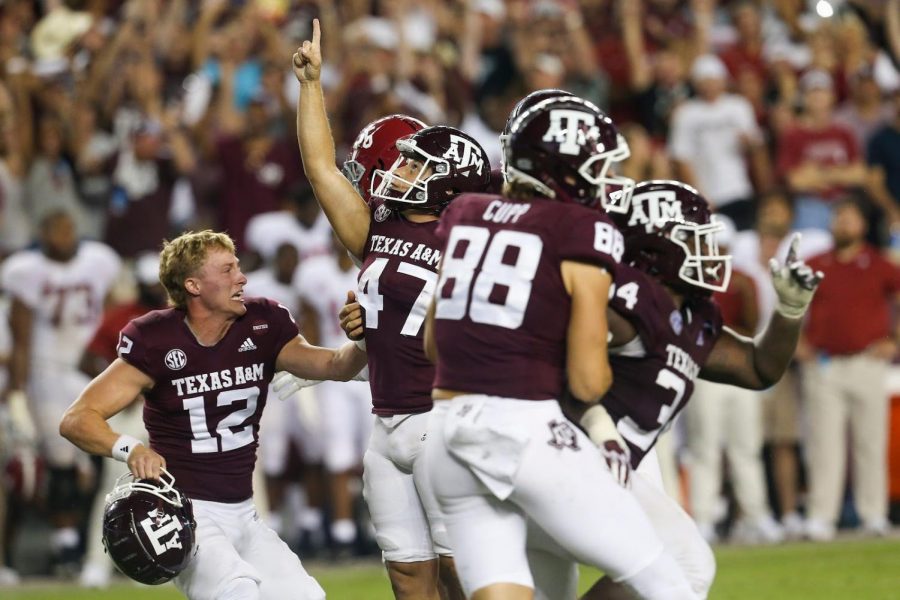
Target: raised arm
{"points": [[759, 363], [346, 210]]}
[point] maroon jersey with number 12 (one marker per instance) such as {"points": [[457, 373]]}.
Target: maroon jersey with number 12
{"points": [[203, 411], [502, 310]]}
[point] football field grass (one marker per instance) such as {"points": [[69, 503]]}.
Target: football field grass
{"points": [[855, 570]]}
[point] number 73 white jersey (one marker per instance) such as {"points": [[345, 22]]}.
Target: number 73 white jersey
{"points": [[66, 298]]}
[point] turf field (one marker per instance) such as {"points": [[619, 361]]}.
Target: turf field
{"points": [[855, 570]]}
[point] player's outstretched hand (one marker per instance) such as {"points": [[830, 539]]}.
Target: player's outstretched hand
{"points": [[351, 316], [286, 384], [145, 463], [795, 282], [308, 57]]}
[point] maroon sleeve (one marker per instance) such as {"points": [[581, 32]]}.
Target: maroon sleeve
{"points": [[133, 348], [588, 236], [283, 323]]}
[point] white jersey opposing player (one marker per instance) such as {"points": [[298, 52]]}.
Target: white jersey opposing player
{"points": [[58, 292], [345, 407]]}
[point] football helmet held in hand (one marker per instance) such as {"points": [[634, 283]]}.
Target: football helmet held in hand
{"points": [[149, 528]]}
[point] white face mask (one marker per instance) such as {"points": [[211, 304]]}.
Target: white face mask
{"points": [[704, 267]]}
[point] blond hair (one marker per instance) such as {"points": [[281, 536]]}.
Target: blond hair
{"points": [[184, 256]]}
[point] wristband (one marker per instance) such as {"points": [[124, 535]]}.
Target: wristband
{"points": [[361, 344], [599, 426], [124, 446]]}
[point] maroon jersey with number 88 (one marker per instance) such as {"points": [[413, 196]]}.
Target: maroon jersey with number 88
{"points": [[502, 310]]}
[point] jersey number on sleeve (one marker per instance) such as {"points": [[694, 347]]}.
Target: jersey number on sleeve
{"points": [[459, 271], [225, 437]]}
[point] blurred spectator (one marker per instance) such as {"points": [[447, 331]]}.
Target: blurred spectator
{"points": [[851, 341], [713, 136], [723, 418], [51, 181], [658, 82], [300, 223], [58, 292], [883, 154], [648, 159], [258, 165], [144, 173], [818, 157], [864, 113], [15, 233]]}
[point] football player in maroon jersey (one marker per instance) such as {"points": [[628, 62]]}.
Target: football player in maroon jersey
{"points": [[667, 331], [203, 367], [514, 315], [394, 238]]}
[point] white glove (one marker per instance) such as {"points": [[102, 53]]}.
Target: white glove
{"points": [[286, 385], [20, 417], [795, 283], [602, 431]]}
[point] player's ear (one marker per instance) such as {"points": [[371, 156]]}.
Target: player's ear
{"points": [[192, 286]]}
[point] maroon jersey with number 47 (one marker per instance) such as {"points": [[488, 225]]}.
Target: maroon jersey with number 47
{"points": [[653, 376], [396, 283], [204, 409], [502, 311]]}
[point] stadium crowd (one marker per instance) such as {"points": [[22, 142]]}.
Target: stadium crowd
{"points": [[126, 122]]}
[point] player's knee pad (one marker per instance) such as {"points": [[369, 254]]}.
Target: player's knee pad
{"points": [[242, 588], [662, 579], [63, 492]]}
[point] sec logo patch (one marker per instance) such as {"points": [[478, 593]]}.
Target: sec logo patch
{"points": [[176, 359]]}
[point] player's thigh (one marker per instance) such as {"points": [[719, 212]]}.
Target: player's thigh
{"points": [[678, 532], [488, 537], [281, 572], [215, 564], [570, 493], [555, 572], [401, 527]]}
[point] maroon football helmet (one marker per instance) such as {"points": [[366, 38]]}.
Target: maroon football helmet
{"points": [[450, 163], [670, 233], [149, 528], [523, 105], [374, 149], [565, 147]]}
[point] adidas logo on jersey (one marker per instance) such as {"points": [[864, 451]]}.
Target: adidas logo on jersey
{"points": [[247, 345]]}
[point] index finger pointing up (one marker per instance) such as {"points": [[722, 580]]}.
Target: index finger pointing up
{"points": [[317, 34]]}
